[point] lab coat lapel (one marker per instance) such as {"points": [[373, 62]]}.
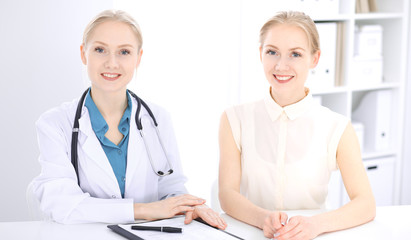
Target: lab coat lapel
{"points": [[93, 151], [136, 153]]}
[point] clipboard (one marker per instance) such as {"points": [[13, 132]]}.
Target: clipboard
{"points": [[198, 223]]}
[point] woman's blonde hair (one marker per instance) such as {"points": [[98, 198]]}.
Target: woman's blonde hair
{"points": [[294, 18], [113, 15]]}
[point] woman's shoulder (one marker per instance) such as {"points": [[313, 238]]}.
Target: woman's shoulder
{"points": [[325, 116], [245, 107], [63, 113]]}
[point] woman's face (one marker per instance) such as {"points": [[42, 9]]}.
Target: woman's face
{"points": [[286, 57], [111, 55]]}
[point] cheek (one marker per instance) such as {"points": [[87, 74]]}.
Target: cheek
{"points": [[268, 63]]}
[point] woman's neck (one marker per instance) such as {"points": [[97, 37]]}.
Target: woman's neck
{"points": [[285, 99], [109, 103]]}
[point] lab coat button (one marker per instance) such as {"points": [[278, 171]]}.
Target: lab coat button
{"points": [[123, 129]]}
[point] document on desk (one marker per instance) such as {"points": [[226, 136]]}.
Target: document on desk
{"points": [[194, 230]]}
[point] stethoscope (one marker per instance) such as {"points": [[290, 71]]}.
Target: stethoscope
{"points": [[74, 137]]}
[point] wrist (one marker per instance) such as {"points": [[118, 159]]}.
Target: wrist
{"points": [[139, 211], [320, 225], [263, 214]]}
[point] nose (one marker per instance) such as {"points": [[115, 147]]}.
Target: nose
{"points": [[281, 64], [111, 62]]}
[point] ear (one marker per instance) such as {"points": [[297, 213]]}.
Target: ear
{"points": [[83, 54], [315, 59], [139, 58]]}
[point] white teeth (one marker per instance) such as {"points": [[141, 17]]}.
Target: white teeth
{"points": [[110, 75], [283, 78]]}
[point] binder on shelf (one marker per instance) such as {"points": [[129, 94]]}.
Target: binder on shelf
{"points": [[339, 55], [365, 6], [323, 76], [368, 40], [366, 71], [374, 111]]}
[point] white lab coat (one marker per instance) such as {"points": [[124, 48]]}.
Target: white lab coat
{"points": [[99, 198]]}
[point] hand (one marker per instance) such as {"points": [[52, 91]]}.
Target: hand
{"points": [[208, 215], [273, 223], [298, 227], [166, 208]]}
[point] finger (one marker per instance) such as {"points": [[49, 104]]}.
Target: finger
{"points": [[189, 202], [221, 222], [283, 218], [292, 234], [188, 196], [181, 209], [290, 226], [276, 221], [188, 218], [268, 232]]}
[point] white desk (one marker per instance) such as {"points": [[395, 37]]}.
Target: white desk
{"points": [[390, 223]]}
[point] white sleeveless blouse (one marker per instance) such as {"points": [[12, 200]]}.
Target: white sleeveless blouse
{"points": [[287, 154]]}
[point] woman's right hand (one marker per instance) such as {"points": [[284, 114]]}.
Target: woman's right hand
{"points": [[274, 222], [166, 208]]}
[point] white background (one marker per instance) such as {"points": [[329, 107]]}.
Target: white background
{"points": [[191, 65]]}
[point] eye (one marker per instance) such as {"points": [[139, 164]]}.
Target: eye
{"points": [[124, 52], [295, 54], [99, 50], [271, 52]]}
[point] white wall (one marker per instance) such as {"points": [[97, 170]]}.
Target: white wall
{"points": [[40, 68], [190, 67]]}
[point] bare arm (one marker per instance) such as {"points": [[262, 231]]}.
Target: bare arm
{"points": [[232, 202], [359, 210]]}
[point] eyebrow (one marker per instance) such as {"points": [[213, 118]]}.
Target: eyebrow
{"points": [[120, 46], [292, 49]]}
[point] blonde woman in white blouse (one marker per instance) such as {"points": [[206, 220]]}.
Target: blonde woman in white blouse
{"points": [[278, 153]]}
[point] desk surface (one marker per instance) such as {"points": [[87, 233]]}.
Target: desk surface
{"points": [[391, 222]]}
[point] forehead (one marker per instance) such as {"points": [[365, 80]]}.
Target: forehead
{"points": [[113, 33], [286, 36]]}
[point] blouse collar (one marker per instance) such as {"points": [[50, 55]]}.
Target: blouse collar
{"points": [[292, 111]]}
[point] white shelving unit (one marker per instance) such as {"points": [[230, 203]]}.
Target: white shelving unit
{"points": [[393, 16], [384, 165]]}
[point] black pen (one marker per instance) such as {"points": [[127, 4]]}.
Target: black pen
{"points": [[159, 229]]}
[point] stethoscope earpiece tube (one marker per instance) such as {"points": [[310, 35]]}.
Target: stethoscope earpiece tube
{"points": [[140, 102], [74, 136]]}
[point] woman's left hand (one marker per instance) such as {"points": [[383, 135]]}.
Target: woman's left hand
{"points": [[299, 227], [208, 215]]}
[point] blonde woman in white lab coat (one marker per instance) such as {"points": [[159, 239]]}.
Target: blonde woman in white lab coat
{"points": [[118, 183], [278, 153]]}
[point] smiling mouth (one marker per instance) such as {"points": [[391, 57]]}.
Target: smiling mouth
{"points": [[283, 78], [110, 76]]}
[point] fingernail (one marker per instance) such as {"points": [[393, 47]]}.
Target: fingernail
{"points": [[283, 223], [276, 235]]}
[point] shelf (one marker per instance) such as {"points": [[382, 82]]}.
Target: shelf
{"points": [[376, 87], [372, 155], [376, 16], [336, 18], [329, 91]]}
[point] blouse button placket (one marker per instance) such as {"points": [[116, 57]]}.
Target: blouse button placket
{"points": [[281, 158]]}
